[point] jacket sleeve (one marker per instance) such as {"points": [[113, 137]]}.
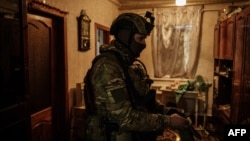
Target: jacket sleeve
{"points": [[113, 100]]}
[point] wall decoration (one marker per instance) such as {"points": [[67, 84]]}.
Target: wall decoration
{"points": [[83, 31]]}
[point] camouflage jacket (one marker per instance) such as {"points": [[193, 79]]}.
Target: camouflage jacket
{"points": [[114, 104]]}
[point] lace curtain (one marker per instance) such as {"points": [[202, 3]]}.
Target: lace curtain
{"points": [[176, 41]]}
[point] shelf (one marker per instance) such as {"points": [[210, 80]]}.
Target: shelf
{"points": [[225, 116], [223, 75], [231, 67], [223, 112]]}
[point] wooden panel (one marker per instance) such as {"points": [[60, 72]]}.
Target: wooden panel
{"points": [[39, 65], [228, 49], [235, 104], [237, 82], [247, 43], [14, 114], [142, 4], [239, 48], [245, 114], [223, 38], [79, 126], [241, 97], [41, 125], [40, 76], [245, 117], [11, 63], [41, 116]]}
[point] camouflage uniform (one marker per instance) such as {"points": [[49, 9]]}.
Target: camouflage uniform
{"points": [[113, 101], [118, 99]]}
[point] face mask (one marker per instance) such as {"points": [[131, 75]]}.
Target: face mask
{"points": [[136, 48]]}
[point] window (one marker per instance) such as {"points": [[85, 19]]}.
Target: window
{"points": [[176, 41], [102, 36]]}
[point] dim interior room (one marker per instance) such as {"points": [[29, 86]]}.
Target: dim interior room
{"points": [[211, 14], [180, 58]]}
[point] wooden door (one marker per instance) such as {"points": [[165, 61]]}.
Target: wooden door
{"points": [[46, 66], [40, 76]]}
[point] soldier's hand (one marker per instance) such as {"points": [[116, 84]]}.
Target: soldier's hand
{"points": [[178, 122]]}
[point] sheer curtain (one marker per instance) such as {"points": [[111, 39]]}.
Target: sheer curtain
{"points": [[176, 41]]}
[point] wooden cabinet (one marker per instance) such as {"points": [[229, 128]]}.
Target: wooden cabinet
{"points": [[223, 65], [224, 39], [246, 70], [232, 68], [33, 72], [241, 83], [237, 83], [14, 116]]}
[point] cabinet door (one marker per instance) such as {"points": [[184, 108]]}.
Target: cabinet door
{"points": [[14, 115], [223, 38], [228, 49], [246, 71], [237, 69]]}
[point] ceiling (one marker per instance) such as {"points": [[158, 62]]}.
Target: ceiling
{"points": [[139, 4]]}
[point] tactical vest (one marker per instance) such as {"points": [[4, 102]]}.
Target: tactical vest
{"points": [[136, 98]]}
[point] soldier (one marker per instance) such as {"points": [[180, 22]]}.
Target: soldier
{"points": [[118, 99]]}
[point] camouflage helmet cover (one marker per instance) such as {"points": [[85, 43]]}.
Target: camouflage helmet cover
{"points": [[139, 23]]}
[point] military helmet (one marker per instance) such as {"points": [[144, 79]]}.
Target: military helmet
{"points": [[135, 22]]}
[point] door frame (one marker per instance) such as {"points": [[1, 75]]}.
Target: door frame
{"points": [[105, 38], [60, 110]]}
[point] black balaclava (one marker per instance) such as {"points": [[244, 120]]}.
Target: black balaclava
{"points": [[126, 38], [136, 48]]}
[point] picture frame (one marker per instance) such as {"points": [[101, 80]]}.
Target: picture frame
{"points": [[83, 31]]}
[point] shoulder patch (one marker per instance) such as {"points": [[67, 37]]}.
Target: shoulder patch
{"points": [[117, 95]]}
